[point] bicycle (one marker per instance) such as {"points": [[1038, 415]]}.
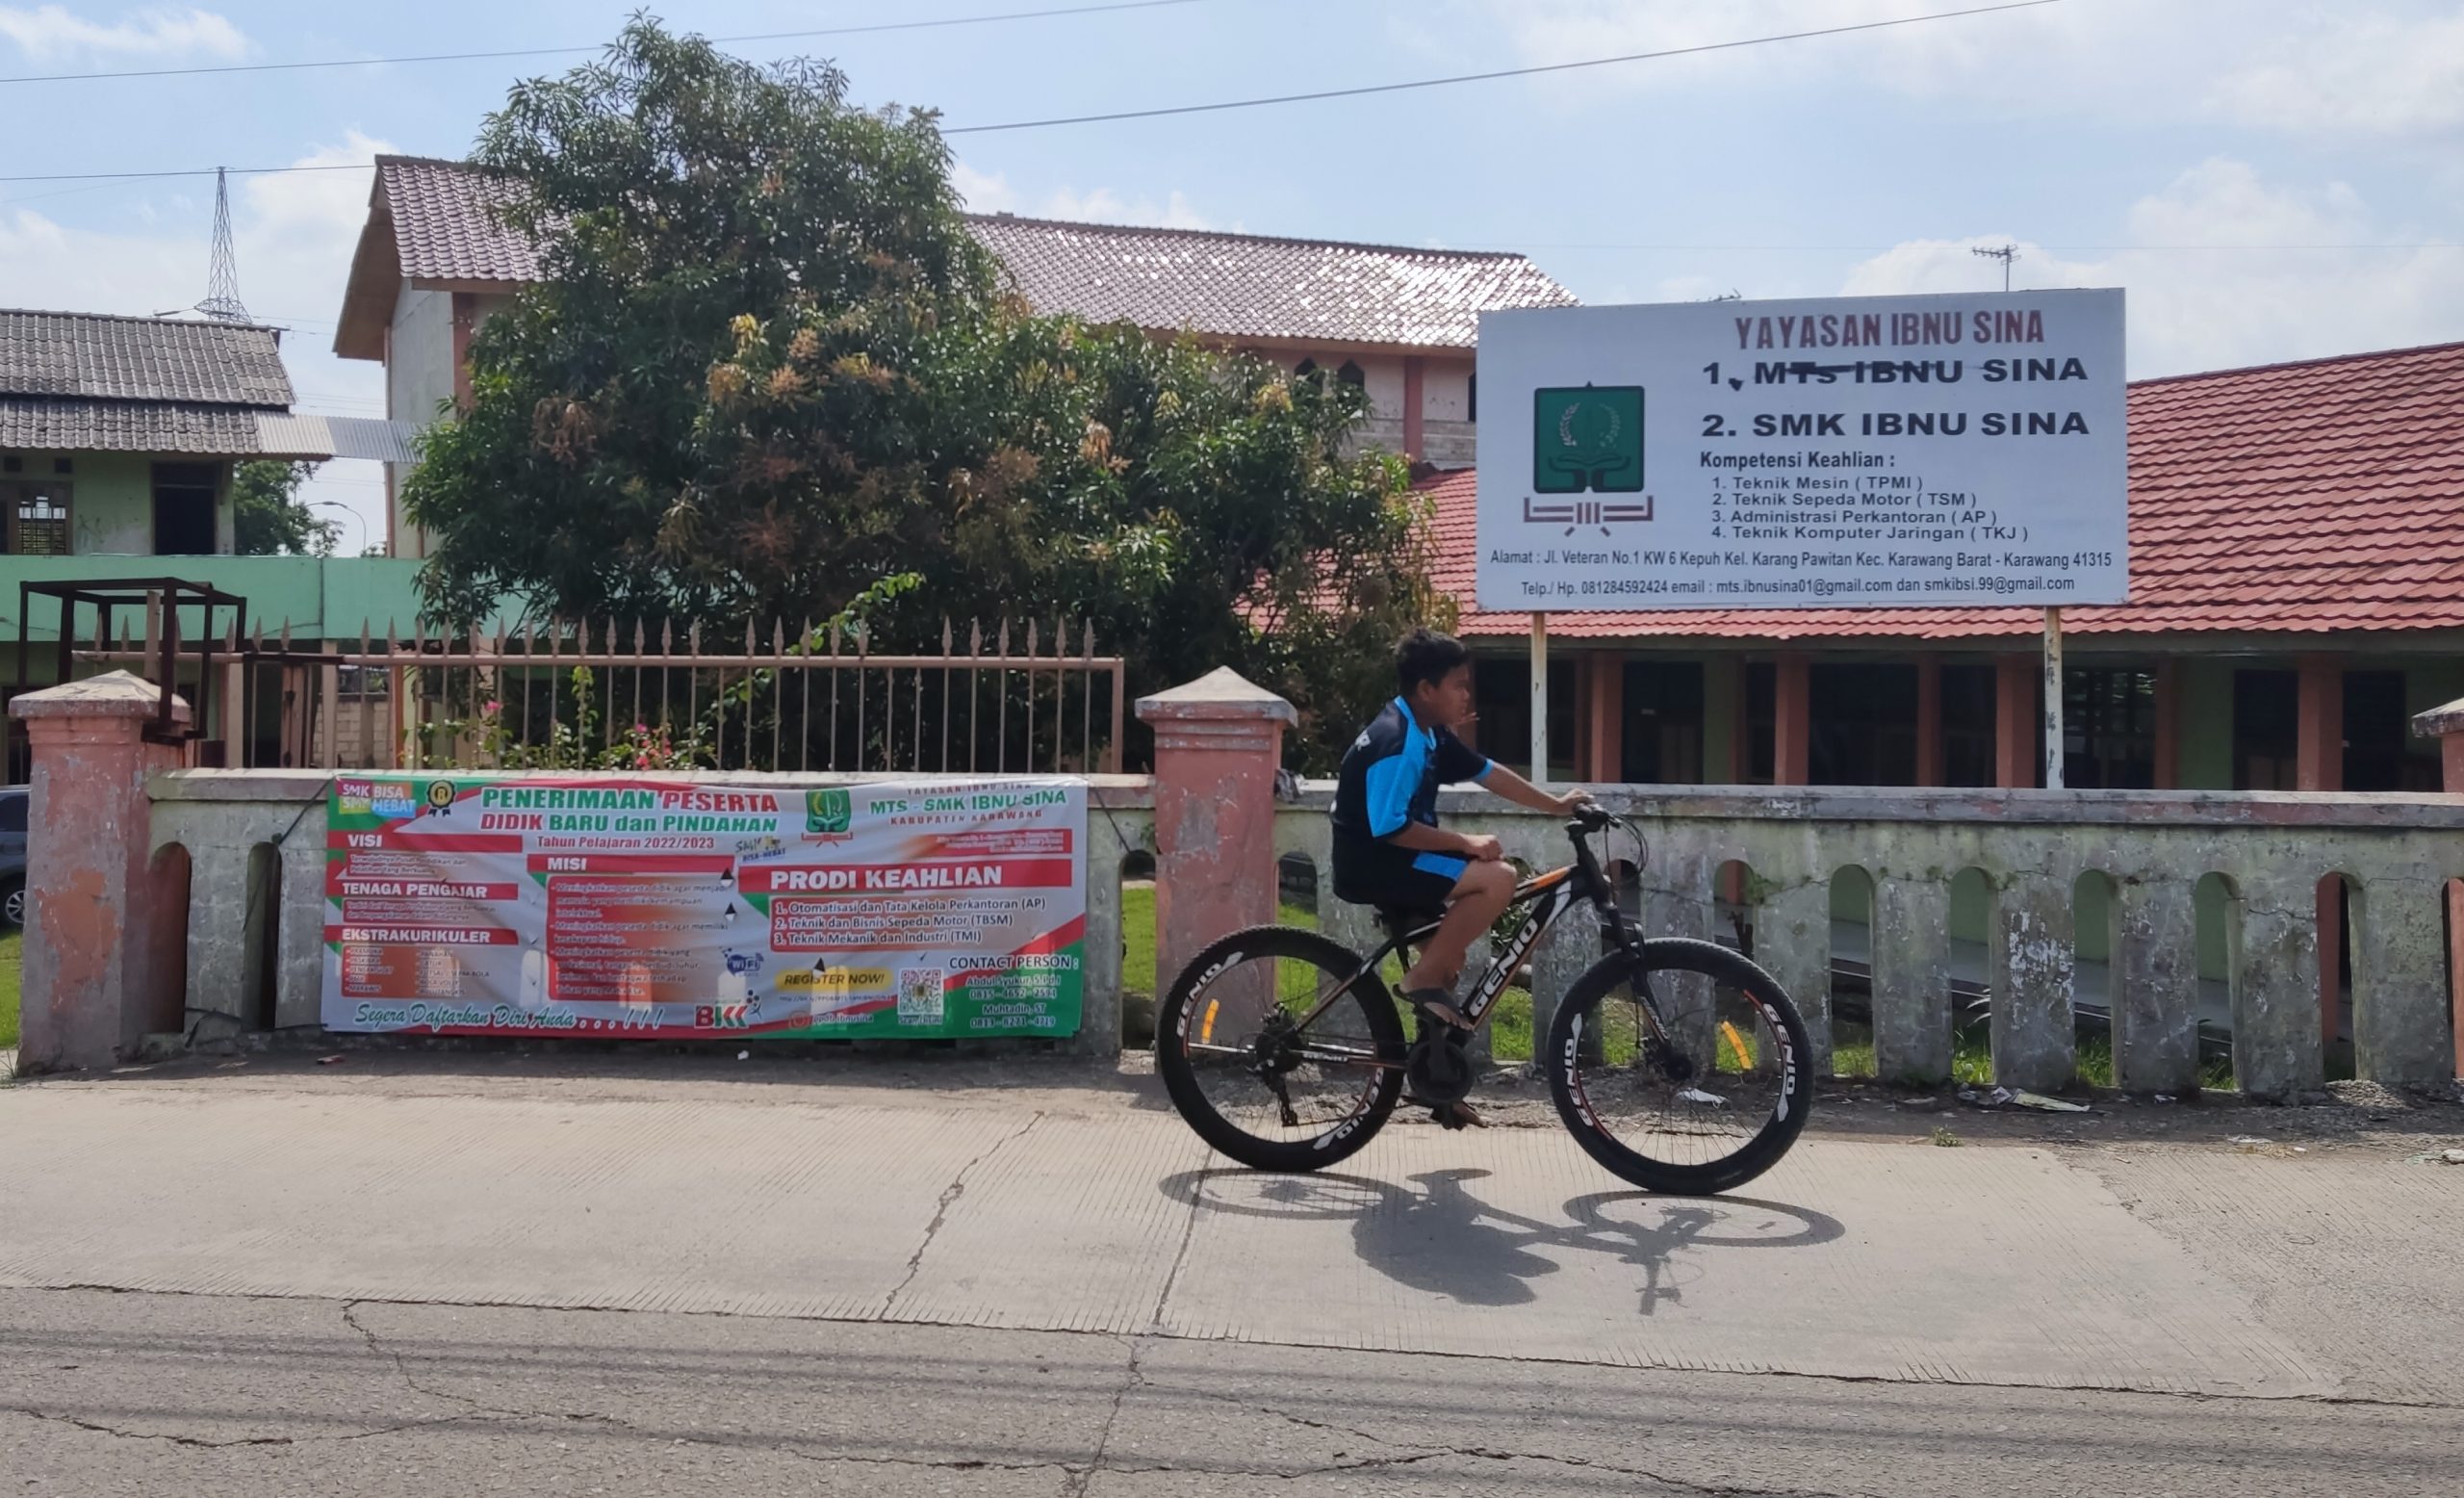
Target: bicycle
{"points": [[1689, 1085]]}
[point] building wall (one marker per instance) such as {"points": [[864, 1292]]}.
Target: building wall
{"points": [[420, 380], [1447, 430], [111, 500]]}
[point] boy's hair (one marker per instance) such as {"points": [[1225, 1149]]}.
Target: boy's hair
{"points": [[1427, 655]]}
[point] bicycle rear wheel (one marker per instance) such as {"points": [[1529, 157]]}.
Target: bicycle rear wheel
{"points": [[1275, 1054], [1713, 1106]]}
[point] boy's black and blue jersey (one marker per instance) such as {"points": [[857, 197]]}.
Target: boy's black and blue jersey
{"points": [[1390, 776]]}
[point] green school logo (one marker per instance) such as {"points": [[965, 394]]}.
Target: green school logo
{"points": [[1587, 437], [829, 810]]}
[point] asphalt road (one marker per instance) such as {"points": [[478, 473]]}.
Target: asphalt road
{"points": [[429, 1280]]}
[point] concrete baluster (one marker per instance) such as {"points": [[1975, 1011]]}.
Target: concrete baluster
{"points": [[2401, 1032], [2155, 986], [2031, 953], [1911, 979], [2273, 942]]}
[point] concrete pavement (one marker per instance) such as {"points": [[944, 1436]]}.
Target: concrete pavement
{"points": [[423, 1278]]}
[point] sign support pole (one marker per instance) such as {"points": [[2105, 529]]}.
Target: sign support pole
{"points": [[1539, 698], [2053, 699]]}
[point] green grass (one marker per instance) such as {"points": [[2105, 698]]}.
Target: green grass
{"points": [[1138, 936], [12, 975], [1972, 1059]]}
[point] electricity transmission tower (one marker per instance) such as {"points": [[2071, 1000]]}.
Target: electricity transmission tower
{"points": [[223, 276]]}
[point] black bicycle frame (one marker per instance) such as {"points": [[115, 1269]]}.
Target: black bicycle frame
{"points": [[1549, 895]]}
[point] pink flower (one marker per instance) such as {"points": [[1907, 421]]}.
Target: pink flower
{"points": [[492, 706]]}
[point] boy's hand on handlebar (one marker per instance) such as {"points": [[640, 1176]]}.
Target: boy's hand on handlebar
{"points": [[1484, 849], [1574, 801]]}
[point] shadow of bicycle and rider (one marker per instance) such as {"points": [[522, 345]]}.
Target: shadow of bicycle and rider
{"points": [[1436, 1236]]}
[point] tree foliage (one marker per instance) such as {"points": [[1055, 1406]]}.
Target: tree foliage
{"points": [[770, 366], [268, 517]]}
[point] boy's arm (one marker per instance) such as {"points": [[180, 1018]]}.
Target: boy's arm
{"points": [[1514, 787], [1421, 838]]}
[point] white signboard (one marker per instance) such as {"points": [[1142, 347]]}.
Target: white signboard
{"points": [[1871, 452]]}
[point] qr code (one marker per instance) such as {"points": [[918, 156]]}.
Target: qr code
{"points": [[920, 996]]}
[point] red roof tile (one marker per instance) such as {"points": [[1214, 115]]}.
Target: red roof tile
{"points": [[2303, 497]]}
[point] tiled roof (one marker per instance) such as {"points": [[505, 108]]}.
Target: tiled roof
{"points": [[86, 354], [1252, 286], [1230, 285], [445, 228], [2303, 497], [83, 382], [56, 424]]}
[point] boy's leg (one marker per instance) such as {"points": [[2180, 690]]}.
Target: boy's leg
{"points": [[1480, 896]]}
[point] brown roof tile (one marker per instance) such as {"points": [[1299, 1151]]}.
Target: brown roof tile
{"points": [[1230, 285], [1253, 286], [2304, 498], [445, 226]]}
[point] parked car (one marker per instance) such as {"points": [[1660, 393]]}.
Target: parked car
{"points": [[14, 801]]}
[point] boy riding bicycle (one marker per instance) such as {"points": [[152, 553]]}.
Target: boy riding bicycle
{"points": [[1389, 850]]}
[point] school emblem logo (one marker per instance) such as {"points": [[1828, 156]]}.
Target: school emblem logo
{"points": [[829, 810], [1586, 439]]}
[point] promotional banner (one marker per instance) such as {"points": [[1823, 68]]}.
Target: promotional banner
{"points": [[1862, 451], [608, 906]]}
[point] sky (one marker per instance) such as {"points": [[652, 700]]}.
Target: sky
{"points": [[2269, 179]]}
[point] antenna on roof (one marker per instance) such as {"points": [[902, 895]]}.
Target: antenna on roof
{"points": [[2006, 253], [222, 275]]}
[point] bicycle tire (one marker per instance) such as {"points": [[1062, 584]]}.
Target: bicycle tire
{"points": [[1674, 954], [1382, 1086]]}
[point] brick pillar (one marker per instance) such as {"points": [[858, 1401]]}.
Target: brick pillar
{"points": [[100, 968], [1792, 722], [2446, 725], [1415, 371], [1218, 743], [2018, 737], [2319, 764], [1931, 749]]}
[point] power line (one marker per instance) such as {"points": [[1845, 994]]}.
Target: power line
{"points": [[1198, 108], [1504, 73], [474, 57]]}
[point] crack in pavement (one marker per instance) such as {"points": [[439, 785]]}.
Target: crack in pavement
{"points": [[950, 1194], [201, 1443], [1424, 1451]]}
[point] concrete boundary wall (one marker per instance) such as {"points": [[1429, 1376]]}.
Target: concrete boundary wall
{"points": [[117, 954], [2398, 854]]}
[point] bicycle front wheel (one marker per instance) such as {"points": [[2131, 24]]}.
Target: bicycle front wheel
{"points": [[1702, 1106], [1279, 1049]]}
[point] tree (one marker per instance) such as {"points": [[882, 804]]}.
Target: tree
{"points": [[268, 517], [769, 366]]}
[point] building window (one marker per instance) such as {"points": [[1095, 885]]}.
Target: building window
{"points": [[2109, 729], [1863, 725], [1761, 722], [1968, 725], [1662, 744], [37, 518], [1351, 374], [184, 504], [2379, 752], [1304, 369], [2267, 719], [1471, 398]]}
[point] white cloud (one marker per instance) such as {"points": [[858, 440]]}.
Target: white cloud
{"points": [[987, 193], [293, 234], [2366, 74], [2377, 65], [2198, 303], [47, 33]]}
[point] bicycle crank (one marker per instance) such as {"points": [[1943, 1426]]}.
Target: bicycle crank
{"points": [[1439, 1070]]}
